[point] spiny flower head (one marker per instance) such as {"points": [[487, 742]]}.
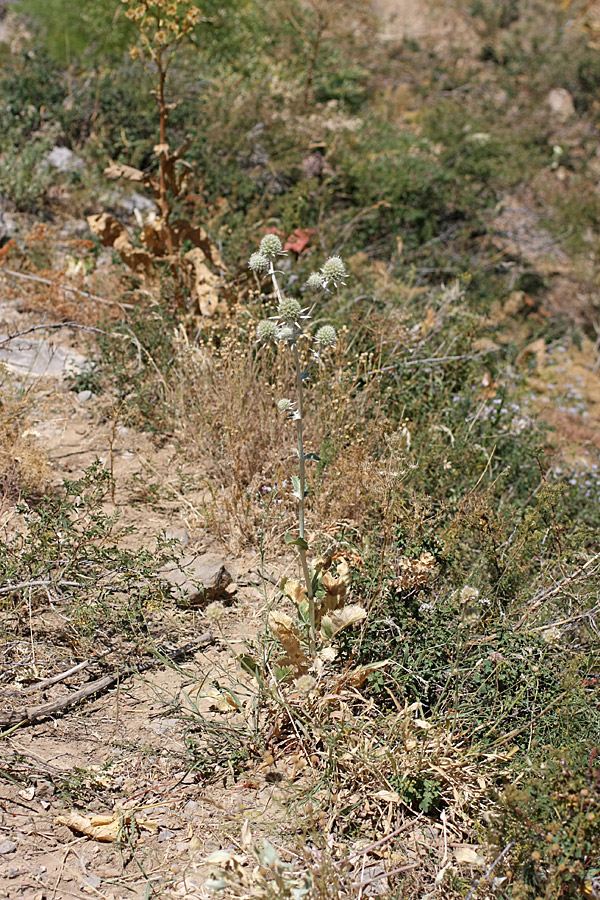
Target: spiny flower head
{"points": [[285, 406], [469, 593], [266, 330], [333, 270], [315, 282], [326, 336], [287, 333], [270, 245], [289, 310], [258, 262], [305, 684]]}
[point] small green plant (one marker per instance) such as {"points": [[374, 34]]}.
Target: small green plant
{"points": [[287, 329]]}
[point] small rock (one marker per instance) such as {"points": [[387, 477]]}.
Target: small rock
{"points": [[137, 202], [84, 396], [561, 104], [165, 835], [178, 534], [7, 847], [64, 160], [93, 881], [191, 804]]}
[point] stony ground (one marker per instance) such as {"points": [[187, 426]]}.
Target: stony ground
{"points": [[124, 749]]}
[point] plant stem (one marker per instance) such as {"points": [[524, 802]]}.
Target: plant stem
{"points": [[301, 502], [302, 482]]}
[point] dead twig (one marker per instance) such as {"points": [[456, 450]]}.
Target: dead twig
{"points": [[18, 334], [67, 289], [54, 679], [33, 714]]}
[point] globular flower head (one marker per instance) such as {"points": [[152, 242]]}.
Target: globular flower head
{"points": [[326, 336], [289, 310], [333, 270], [287, 333], [285, 406], [270, 245], [214, 611], [258, 262], [315, 282], [468, 594], [305, 684], [266, 330]]}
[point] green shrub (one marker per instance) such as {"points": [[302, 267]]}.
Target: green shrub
{"points": [[550, 824]]}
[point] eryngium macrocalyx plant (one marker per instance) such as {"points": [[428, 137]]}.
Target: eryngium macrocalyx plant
{"points": [[287, 328]]}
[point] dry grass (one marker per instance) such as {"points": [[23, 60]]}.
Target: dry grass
{"points": [[224, 398], [23, 464]]}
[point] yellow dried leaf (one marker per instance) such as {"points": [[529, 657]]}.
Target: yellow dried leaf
{"points": [[288, 635], [295, 591], [355, 677], [105, 828], [468, 856], [339, 619], [389, 796]]}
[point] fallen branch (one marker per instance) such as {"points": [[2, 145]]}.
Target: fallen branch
{"points": [[46, 682], [72, 290], [53, 325], [33, 714]]}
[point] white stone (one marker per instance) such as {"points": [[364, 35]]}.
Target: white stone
{"points": [[561, 104]]}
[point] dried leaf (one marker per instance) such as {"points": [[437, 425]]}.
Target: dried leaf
{"points": [[246, 835], [119, 170], [113, 233], [389, 796], [295, 591], [202, 282], [355, 677], [288, 635], [339, 619], [299, 240], [468, 855], [105, 828]]}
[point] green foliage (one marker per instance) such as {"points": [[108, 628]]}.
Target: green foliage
{"points": [[380, 164], [550, 822], [136, 357], [25, 174]]}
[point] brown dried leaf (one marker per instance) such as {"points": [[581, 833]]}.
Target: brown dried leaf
{"points": [[288, 635], [113, 233], [202, 282], [415, 572], [120, 170]]}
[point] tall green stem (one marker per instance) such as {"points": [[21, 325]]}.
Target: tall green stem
{"points": [[301, 480], [301, 500]]}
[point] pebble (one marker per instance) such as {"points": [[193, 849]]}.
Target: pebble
{"points": [[7, 847]]}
